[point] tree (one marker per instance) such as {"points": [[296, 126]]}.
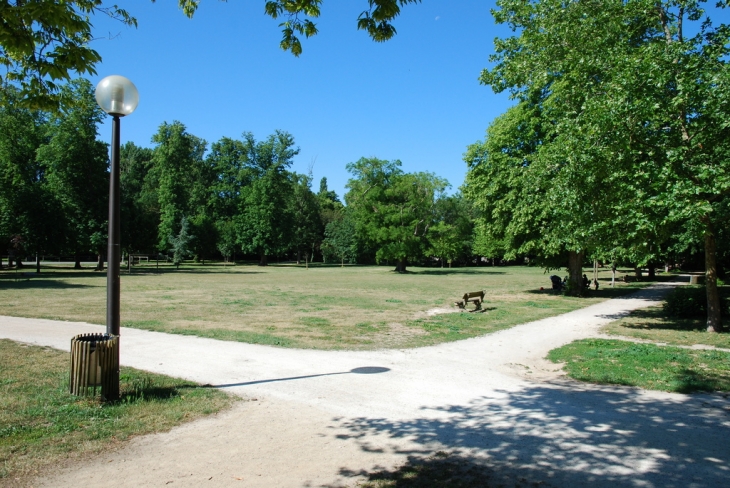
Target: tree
{"points": [[76, 168], [226, 244], [627, 106], [230, 161], [28, 209], [180, 243], [451, 236], [307, 227], [44, 41], [181, 177], [392, 210], [264, 220], [340, 240], [206, 232], [139, 206]]}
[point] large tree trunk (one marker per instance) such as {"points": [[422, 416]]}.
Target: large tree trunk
{"points": [[100, 261], [19, 263], [575, 272], [714, 318], [652, 271], [400, 265], [262, 259], [77, 264]]}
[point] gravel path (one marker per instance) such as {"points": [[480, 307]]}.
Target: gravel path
{"points": [[324, 418]]}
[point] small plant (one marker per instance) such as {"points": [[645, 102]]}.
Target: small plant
{"points": [[180, 249]]}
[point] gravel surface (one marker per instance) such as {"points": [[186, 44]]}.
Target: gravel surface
{"points": [[327, 418]]}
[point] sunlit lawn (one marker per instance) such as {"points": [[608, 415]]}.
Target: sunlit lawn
{"points": [[357, 307], [644, 365]]}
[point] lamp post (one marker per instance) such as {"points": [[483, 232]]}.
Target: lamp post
{"points": [[117, 96]]}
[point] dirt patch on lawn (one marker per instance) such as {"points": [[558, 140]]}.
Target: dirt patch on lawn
{"points": [[436, 311]]}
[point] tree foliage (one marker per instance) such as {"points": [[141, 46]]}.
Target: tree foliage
{"points": [[181, 177], [393, 210], [46, 42], [624, 134], [76, 168], [265, 219]]}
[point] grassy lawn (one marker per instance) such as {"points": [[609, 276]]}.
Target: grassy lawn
{"points": [[645, 365], [42, 425], [358, 307]]}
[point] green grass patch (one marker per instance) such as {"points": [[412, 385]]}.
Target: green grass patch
{"points": [[41, 424], [648, 366], [315, 322]]}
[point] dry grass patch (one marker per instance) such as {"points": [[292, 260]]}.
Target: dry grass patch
{"points": [[358, 307], [42, 425]]}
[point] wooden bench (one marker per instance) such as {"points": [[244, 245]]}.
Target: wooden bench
{"points": [[477, 297]]}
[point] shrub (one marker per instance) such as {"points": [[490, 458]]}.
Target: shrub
{"points": [[691, 302]]}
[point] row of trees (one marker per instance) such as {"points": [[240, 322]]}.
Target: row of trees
{"points": [[242, 198], [54, 181], [237, 197], [618, 145]]}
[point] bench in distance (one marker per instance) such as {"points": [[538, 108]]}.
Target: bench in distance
{"points": [[477, 297]]}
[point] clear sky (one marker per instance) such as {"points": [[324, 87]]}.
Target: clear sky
{"points": [[415, 98]]}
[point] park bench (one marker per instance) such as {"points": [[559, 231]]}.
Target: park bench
{"points": [[137, 258], [477, 297]]}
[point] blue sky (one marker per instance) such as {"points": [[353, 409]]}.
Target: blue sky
{"points": [[415, 98]]}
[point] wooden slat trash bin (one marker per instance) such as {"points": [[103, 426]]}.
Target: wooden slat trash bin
{"points": [[94, 360]]}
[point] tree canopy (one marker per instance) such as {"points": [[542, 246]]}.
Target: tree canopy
{"points": [[618, 136]]}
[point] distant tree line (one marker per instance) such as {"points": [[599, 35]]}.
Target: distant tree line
{"points": [[237, 199]]}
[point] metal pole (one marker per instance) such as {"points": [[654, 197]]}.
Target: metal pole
{"points": [[113, 252], [113, 257]]}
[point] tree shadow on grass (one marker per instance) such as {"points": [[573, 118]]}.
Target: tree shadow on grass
{"points": [[47, 274], [567, 435], [450, 271], [150, 271], [40, 283], [688, 380], [655, 319]]}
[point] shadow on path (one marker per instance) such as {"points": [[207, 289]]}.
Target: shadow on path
{"points": [[361, 370], [573, 435]]}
